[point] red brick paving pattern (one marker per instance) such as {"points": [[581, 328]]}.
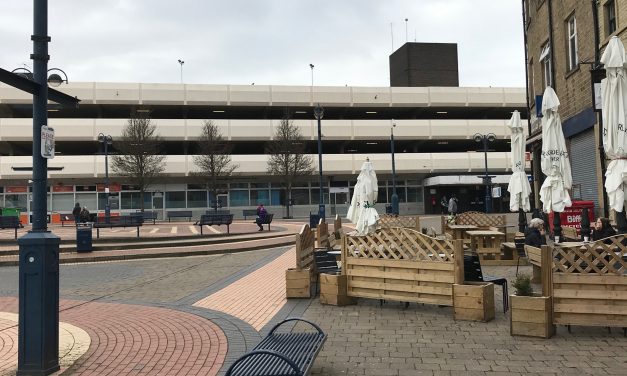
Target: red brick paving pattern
{"points": [[257, 297], [129, 339]]}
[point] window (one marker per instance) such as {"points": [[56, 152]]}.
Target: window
{"points": [[172, 199], [610, 17], [545, 63], [196, 199], [129, 200], [573, 59]]}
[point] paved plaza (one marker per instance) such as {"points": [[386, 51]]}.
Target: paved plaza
{"points": [[195, 315]]}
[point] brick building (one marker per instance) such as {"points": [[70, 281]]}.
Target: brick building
{"points": [[564, 42]]}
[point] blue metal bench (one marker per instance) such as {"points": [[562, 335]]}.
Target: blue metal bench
{"points": [[147, 215], [217, 220], [266, 220], [180, 214], [121, 221], [249, 212], [10, 221], [290, 353]]}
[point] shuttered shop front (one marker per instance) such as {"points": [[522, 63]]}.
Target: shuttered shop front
{"points": [[583, 155]]}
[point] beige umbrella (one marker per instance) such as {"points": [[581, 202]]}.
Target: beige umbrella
{"points": [[519, 188], [361, 211]]}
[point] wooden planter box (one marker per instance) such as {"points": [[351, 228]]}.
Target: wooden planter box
{"points": [[333, 290], [298, 283], [474, 301], [531, 316]]}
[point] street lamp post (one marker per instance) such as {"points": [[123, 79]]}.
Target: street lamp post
{"points": [[394, 195], [318, 113], [106, 140], [487, 179], [181, 62]]}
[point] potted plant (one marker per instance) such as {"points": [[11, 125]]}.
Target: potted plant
{"points": [[531, 313]]}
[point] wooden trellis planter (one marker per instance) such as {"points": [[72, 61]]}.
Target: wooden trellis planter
{"points": [[402, 264], [333, 290], [474, 301], [298, 280], [387, 221]]}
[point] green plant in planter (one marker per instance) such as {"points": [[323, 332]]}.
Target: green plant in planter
{"points": [[522, 284]]}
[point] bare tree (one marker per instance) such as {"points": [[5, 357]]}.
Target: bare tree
{"points": [[213, 159], [139, 158], [287, 157]]}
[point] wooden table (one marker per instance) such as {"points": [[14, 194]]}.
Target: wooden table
{"points": [[460, 230], [486, 243]]}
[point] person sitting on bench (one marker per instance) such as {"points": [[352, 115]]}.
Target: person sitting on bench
{"points": [[84, 215], [535, 235], [603, 229], [261, 216]]}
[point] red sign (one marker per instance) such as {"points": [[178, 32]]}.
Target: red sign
{"points": [[571, 216], [62, 188], [113, 187], [17, 189]]}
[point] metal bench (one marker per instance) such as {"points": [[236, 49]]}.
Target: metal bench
{"points": [[217, 220], [121, 221], [10, 221], [180, 214], [67, 218], [290, 353], [249, 212], [147, 215], [266, 220], [220, 212]]}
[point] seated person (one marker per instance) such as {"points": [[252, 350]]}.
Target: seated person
{"points": [[534, 235], [261, 216], [84, 214], [602, 229]]}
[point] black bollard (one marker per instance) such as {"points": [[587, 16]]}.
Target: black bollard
{"points": [[585, 224], [522, 221]]}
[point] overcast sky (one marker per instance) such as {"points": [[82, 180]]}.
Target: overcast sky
{"points": [[264, 41]]}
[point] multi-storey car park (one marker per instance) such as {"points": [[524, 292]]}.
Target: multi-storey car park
{"points": [[435, 151]]}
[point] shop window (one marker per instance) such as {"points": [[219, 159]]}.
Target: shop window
{"points": [[238, 198], [610, 17], [62, 202], [130, 200], [545, 62], [300, 196], [260, 197], [196, 199], [90, 200], [175, 199]]}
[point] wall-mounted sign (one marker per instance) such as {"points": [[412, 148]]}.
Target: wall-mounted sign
{"points": [[47, 142]]}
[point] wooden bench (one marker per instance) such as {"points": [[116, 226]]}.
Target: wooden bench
{"points": [[216, 220], [534, 256], [147, 215], [10, 221], [249, 212], [180, 214], [291, 353], [267, 220], [569, 233], [121, 221]]}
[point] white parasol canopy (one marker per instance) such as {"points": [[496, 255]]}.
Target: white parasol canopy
{"points": [[554, 161], [362, 211], [519, 188], [614, 102]]}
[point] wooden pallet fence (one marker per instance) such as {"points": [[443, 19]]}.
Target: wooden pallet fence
{"points": [[474, 301], [482, 220], [402, 264], [534, 256], [298, 280], [333, 290], [411, 222], [322, 234], [589, 283]]}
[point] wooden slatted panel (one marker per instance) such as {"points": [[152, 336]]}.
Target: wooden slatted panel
{"points": [[322, 234], [402, 264], [534, 255], [589, 284], [481, 220], [305, 248], [387, 221]]}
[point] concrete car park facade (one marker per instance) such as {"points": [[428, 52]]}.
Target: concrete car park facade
{"points": [[433, 136]]}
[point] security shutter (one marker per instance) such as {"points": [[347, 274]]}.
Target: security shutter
{"points": [[583, 155]]}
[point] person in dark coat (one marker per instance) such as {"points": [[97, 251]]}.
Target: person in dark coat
{"points": [[76, 212], [535, 235], [261, 216], [602, 229]]}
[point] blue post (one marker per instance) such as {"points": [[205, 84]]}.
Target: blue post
{"points": [[38, 332], [394, 195]]}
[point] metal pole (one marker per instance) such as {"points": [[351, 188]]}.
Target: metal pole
{"points": [[318, 113], [488, 196], [38, 327], [107, 205], [394, 195]]}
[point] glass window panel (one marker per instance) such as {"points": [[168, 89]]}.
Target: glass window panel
{"points": [[197, 199], [16, 201], [414, 194], [259, 185], [315, 196], [196, 186], [85, 188], [260, 197], [339, 184], [238, 198], [382, 195], [130, 200], [300, 196], [175, 199], [400, 192], [239, 185], [62, 202], [88, 199], [276, 196]]}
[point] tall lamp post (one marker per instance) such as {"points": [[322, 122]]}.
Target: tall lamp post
{"points": [[106, 140], [487, 179], [181, 62], [394, 195], [318, 113]]}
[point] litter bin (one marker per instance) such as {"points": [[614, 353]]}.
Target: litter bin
{"points": [[84, 237], [388, 209], [15, 212], [313, 220]]}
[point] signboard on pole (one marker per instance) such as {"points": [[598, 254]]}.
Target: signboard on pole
{"points": [[47, 142]]}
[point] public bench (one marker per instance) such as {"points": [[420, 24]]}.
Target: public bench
{"points": [[249, 212], [216, 220], [179, 214], [67, 218], [220, 212], [120, 221], [291, 353], [10, 221], [147, 215], [267, 220]]}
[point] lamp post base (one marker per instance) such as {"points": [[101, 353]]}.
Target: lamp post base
{"points": [[395, 208], [322, 213]]}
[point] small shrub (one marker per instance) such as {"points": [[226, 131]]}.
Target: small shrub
{"points": [[522, 284]]}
